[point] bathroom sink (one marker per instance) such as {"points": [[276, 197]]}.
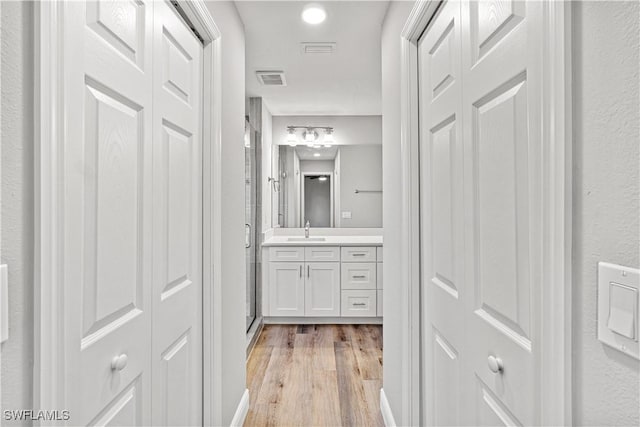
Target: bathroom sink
{"points": [[306, 239]]}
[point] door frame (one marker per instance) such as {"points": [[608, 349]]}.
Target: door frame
{"points": [[555, 369], [332, 195], [49, 376]]}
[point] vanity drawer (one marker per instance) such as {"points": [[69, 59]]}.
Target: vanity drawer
{"points": [[379, 303], [379, 253], [358, 254], [286, 254], [358, 275], [379, 275], [322, 253], [359, 303]]}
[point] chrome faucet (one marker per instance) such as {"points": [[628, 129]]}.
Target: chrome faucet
{"points": [[307, 226]]}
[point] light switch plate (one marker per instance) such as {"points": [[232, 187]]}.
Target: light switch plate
{"points": [[618, 307], [4, 303]]}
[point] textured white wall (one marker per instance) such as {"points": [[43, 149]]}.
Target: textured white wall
{"points": [[233, 262], [17, 200], [606, 198], [393, 358]]}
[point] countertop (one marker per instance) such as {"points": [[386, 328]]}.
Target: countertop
{"points": [[328, 241]]}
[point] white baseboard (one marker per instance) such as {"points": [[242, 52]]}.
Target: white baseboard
{"points": [[272, 320], [241, 411], [387, 415]]}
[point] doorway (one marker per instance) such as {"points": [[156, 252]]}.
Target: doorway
{"points": [[317, 199]]}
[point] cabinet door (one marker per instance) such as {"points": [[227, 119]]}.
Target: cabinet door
{"points": [[322, 289], [286, 289]]}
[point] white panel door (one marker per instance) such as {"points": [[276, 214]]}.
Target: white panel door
{"points": [[177, 198], [441, 160], [286, 289], [502, 63], [322, 289], [107, 211], [481, 192]]}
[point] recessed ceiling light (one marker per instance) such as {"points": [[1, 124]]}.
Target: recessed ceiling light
{"points": [[316, 154], [313, 14]]}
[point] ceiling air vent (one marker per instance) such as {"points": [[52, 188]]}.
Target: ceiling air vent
{"points": [[310, 48], [271, 78]]}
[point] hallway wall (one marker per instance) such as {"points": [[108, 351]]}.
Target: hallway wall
{"points": [[606, 193], [393, 296], [17, 200], [233, 320]]}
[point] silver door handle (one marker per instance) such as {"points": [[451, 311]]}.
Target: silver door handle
{"points": [[247, 243], [300, 270], [308, 272], [359, 303], [358, 254], [358, 277]]}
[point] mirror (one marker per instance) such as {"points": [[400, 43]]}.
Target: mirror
{"points": [[337, 186]]}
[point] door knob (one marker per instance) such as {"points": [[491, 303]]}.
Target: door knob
{"points": [[495, 364], [118, 363]]}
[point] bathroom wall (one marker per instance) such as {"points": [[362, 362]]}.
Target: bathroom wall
{"points": [[361, 169]]}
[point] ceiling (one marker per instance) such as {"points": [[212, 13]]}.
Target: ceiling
{"points": [[324, 153], [346, 82]]}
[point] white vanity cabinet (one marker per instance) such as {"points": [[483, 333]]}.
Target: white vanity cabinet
{"points": [[310, 288], [323, 282]]}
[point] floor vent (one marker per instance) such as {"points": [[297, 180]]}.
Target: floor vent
{"points": [[271, 78], [311, 48]]}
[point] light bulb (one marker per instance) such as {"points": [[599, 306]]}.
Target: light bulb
{"points": [[292, 139], [310, 136], [314, 14], [328, 137]]}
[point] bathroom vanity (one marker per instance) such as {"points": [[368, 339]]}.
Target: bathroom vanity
{"points": [[322, 279]]}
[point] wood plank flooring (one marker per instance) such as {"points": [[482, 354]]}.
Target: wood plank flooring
{"points": [[316, 375]]}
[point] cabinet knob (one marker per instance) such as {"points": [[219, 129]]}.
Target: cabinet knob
{"points": [[495, 364], [118, 363]]}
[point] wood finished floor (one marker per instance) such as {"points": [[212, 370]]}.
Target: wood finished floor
{"points": [[316, 375]]}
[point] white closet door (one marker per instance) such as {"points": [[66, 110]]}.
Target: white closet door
{"points": [[480, 106], [446, 384], [177, 203], [502, 73], [105, 242]]}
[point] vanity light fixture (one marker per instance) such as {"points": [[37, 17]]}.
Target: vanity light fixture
{"points": [[313, 14], [310, 136]]}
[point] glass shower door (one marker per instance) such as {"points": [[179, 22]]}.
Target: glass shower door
{"points": [[250, 219]]}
